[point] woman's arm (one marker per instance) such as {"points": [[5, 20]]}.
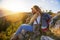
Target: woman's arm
{"points": [[33, 18]]}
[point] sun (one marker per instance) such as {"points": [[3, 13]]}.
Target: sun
{"points": [[15, 6]]}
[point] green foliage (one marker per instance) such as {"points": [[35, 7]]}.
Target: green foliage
{"points": [[9, 25], [12, 28], [50, 13], [3, 36], [7, 29], [4, 24]]}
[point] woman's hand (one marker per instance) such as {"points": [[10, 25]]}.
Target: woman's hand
{"points": [[33, 18]]}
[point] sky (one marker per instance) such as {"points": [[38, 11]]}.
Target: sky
{"points": [[26, 5]]}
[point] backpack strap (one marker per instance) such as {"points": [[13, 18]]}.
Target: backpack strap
{"points": [[41, 20], [36, 21]]}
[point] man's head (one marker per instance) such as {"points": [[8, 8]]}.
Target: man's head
{"points": [[35, 9]]}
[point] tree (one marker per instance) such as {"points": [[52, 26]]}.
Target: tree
{"points": [[50, 12], [4, 24]]}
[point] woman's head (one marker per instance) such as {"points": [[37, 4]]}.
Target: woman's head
{"points": [[35, 9]]}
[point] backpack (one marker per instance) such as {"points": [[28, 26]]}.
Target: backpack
{"points": [[48, 18]]}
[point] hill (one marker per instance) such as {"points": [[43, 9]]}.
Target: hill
{"points": [[13, 17]]}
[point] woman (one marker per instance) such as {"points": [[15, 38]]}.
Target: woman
{"points": [[39, 19]]}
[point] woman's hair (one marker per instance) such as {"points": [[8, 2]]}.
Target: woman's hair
{"points": [[37, 8]]}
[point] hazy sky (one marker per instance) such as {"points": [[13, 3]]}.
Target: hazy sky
{"points": [[25, 5]]}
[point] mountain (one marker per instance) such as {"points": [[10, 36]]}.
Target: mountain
{"points": [[4, 12], [13, 17], [16, 17]]}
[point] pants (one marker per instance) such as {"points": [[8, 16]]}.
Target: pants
{"points": [[25, 27]]}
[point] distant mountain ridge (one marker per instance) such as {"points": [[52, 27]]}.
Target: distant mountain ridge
{"points": [[4, 12], [13, 17]]}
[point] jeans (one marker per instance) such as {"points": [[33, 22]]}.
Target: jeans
{"points": [[25, 27]]}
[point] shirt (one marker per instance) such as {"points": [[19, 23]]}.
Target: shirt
{"points": [[38, 20]]}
